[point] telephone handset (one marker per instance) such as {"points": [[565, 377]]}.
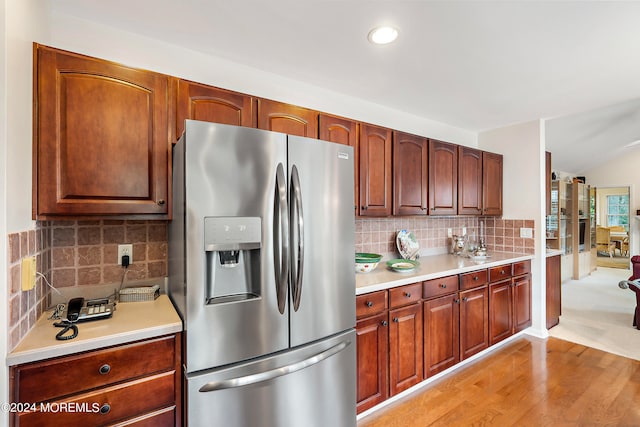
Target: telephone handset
{"points": [[73, 309]]}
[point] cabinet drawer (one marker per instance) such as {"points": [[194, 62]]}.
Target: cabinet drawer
{"points": [[370, 304], [404, 295], [442, 286], [500, 272], [473, 279], [107, 405], [50, 379], [522, 267]]}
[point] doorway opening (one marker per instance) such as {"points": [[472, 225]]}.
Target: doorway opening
{"points": [[610, 205]]}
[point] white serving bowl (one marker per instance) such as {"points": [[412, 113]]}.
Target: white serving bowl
{"points": [[365, 267]]}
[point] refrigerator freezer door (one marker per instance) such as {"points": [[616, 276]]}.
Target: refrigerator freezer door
{"points": [[325, 253], [231, 184], [313, 385]]}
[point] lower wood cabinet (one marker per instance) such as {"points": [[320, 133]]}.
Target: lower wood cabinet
{"points": [[405, 340], [412, 332], [554, 299], [510, 303], [132, 384], [372, 346]]}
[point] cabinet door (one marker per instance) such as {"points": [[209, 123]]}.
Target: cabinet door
{"points": [[375, 170], [474, 329], [372, 361], [102, 138], [500, 311], [553, 291], [469, 181], [405, 348], [491, 184], [210, 104], [443, 178], [410, 174], [441, 339], [286, 118], [521, 303], [342, 131]]}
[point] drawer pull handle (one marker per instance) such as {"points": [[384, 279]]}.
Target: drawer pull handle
{"points": [[407, 294], [396, 320], [443, 285], [369, 304], [384, 323], [105, 369], [104, 409]]}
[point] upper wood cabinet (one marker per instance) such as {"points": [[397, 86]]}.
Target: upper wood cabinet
{"points": [[469, 181], [286, 118], [375, 170], [342, 131], [491, 184], [410, 174], [443, 178], [101, 138], [210, 104]]}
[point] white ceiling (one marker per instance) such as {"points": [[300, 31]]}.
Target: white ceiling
{"points": [[476, 65]]}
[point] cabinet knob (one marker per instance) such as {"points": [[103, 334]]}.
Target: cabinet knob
{"points": [[364, 208], [476, 278], [105, 369], [369, 304], [407, 294], [161, 202], [396, 320], [433, 209], [105, 408], [501, 271], [443, 285], [457, 300], [465, 299], [384, 323]]}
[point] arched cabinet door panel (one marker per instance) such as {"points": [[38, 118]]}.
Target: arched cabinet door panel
{"points": [[101, 143]]}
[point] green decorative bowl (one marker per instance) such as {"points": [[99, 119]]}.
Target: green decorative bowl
{"points": [[366, 262], [402, 265]]}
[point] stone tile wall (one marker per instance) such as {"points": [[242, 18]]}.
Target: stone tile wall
{"points": [[73, 254], [379, 235]]}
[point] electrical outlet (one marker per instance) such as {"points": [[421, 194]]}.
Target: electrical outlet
{"points": [[449, 233], [28, 279], [526, 232], [464, 231], [125, 250]]}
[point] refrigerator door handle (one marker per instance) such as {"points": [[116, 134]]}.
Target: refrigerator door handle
{"points": [[281, 238], [273, 373], [297, 218]]}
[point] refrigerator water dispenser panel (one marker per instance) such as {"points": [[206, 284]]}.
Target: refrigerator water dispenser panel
{"points": [[232, 246]]}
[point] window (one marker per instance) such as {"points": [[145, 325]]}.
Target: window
{"points": [[618, 211]]}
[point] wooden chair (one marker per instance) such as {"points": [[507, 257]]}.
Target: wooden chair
{"points": [[603, 241], [624, 249]]}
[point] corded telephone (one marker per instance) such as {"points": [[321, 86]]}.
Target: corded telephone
{"points": [[79, 309]]}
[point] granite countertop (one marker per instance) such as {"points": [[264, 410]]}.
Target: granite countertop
{"points": [[131, 321], [431, 267]]}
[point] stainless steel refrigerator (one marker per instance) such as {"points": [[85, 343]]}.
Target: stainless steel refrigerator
{"points": [[261, 271]]}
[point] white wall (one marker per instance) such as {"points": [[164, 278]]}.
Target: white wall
{"points": [[522, 146], [22, 22]]}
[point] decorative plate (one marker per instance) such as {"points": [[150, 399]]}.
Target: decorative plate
{"points": [[408, 245], [402, 265]]}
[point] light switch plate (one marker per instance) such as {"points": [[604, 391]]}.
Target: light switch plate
{"points": [[28, 279]]}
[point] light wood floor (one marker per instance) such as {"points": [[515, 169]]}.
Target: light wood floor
{"points": [[529, 382]]}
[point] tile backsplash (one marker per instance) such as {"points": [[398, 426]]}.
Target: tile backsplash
{"points": [[503, 235], [76, 254]]}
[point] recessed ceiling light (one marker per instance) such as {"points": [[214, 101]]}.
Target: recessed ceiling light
{"points": [[382, 35]]}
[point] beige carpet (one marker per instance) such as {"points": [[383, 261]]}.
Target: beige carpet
{"points": [[617, 261], [598, 314]]}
